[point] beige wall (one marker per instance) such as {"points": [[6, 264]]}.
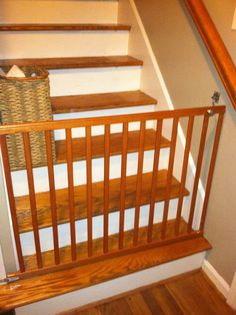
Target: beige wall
{"points": [[191, 80]]}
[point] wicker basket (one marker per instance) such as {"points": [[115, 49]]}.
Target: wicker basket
{"points": [[26, 100]]}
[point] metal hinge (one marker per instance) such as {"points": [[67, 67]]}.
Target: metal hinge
{"points": [[215, 100], [9, 280]]}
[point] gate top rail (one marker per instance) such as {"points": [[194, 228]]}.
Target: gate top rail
{"points": [[83, 122]]}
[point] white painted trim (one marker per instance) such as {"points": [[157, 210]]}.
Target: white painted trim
{"points": [[231, 299], [166, 94], [114, 287], [2, 266], [216, 278]]}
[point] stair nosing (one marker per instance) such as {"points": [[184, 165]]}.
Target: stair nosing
{"points": [[75, 62], [88, 99], [18, 27]]}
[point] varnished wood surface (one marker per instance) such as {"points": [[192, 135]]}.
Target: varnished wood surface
{"points": [[188, 294], [75, 62], [88, 102], [79, 145], [42, 287], [96, 121], [97, 245], [215, 45], [43, 200], [63, 27]]}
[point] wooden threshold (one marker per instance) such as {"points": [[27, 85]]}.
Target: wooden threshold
{"points": [[47, 286], [79, 145], [43, 200], [63, 27], [89, 102], [75, 62]]}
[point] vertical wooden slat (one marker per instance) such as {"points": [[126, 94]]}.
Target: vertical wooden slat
{"points": [[33, 207], [211, 169], [123, 184], [106, 187], [169, 177], [51, 178], [7, 171], [139, 182], [71, 192], [89, 189], [198, 170], [184, 173], [154, 179]]}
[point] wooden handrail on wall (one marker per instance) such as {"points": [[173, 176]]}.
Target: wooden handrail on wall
{"points": [[215, 45]]}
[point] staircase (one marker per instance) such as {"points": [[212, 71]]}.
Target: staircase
{"points": [[117, 199]]}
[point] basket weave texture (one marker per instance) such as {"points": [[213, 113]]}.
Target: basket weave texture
{"points": [[26, 100]]}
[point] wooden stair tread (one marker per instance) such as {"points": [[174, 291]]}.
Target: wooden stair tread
{"points": [[79, 145], [75, 62], [80, 103], [82, 253], [64, 27], [43, 200], [50, 285]]}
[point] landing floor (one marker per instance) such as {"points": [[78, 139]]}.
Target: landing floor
{"points": [[190, 294]]}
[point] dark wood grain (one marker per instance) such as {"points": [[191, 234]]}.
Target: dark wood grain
{"points": [[63, 27], [88, 102], [79, 145], [75, 62], [43, 200]]}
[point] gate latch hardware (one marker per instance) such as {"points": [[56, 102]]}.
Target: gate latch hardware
{"points": [[9, 280], [215, 100]]}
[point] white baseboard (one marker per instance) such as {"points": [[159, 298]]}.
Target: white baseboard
{"points": [[216, 278], [231, 299], [113, 287]]}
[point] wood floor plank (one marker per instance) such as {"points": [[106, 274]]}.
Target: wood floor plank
{"points": [[138, 305], [63, 27], [50, 285], [43, 200], [79, 145], [90, 311], [117, 307], [75, 62], [158, 300], [166, 301], [195, 297], [152, 303], [88, 102]]}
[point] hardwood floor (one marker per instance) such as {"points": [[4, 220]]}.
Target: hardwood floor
{"points": [[190, 294]]}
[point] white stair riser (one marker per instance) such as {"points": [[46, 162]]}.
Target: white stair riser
{"points": [[99, 130], [94, 80], [106, 112], [114, 287], [46, 237], [41, 175], [57, 11], [17, 45]]}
